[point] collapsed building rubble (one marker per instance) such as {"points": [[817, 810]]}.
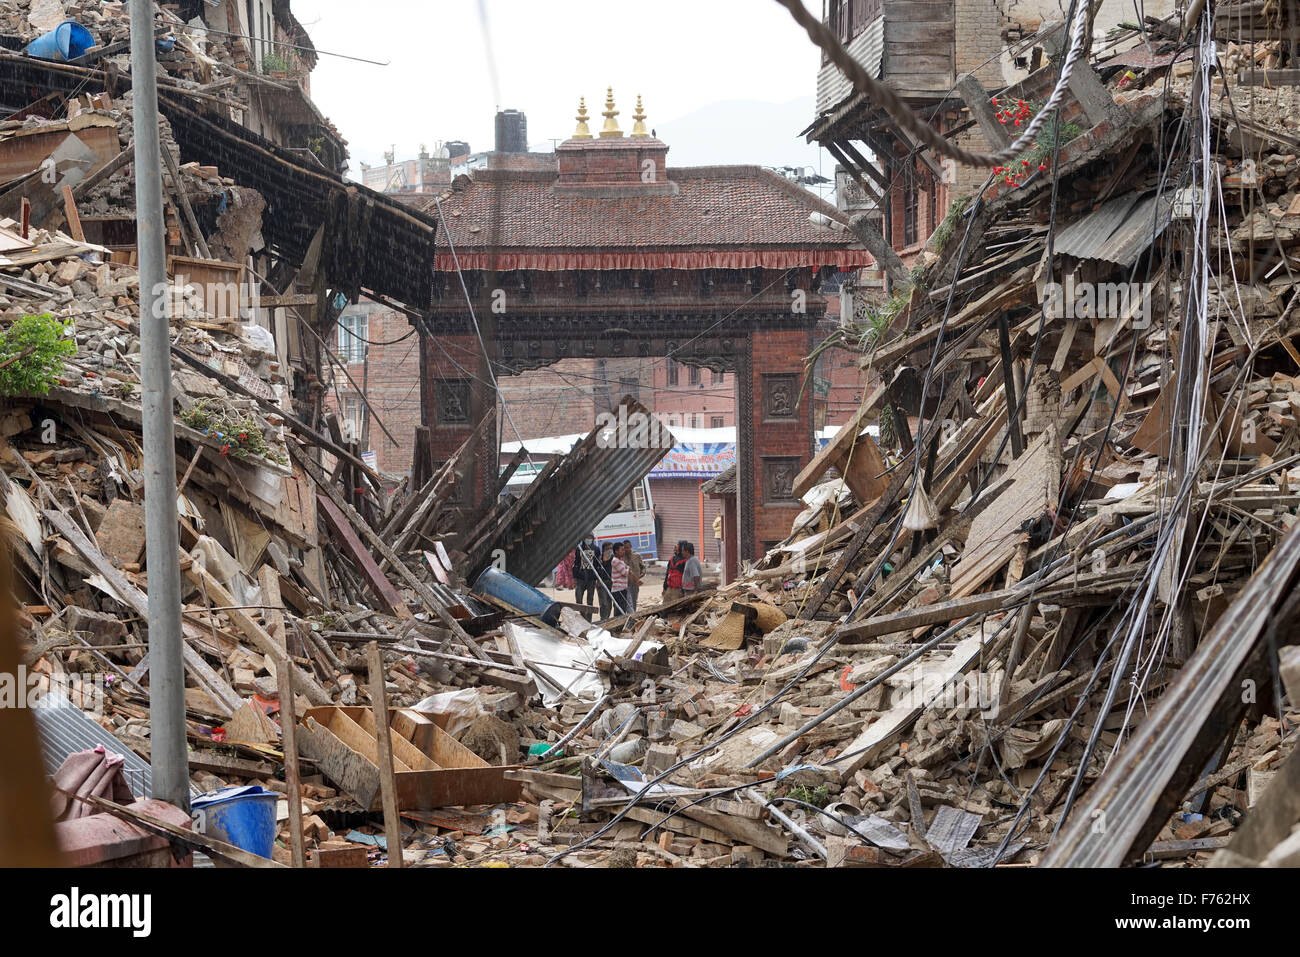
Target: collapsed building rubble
{"points": [[1032, 604]]}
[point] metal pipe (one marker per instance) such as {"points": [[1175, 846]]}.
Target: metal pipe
{"points": [[795, 827], [168, 754]]}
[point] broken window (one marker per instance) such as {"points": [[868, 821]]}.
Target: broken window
{"points": [[911, 201]]}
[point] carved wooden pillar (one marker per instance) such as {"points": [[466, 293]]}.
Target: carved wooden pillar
{"points": [[454, 397], [774, 436]]}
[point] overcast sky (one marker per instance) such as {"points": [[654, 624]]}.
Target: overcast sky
{"points": [[447, 76]]}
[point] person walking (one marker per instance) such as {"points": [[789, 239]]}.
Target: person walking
{"points": [[693, 572], [673, 580], [604, 580], [635, 575], [618, 579], [585, 559]]}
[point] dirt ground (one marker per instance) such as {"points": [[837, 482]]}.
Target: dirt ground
{"points": [[652, 589]]}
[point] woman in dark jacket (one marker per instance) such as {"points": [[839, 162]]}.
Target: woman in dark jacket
{"points": [[605, 578]]}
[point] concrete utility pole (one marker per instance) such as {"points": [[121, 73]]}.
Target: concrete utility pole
{"points": [[167, 671]]}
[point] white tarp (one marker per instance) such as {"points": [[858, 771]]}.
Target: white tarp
{"points": [[568, 666]]}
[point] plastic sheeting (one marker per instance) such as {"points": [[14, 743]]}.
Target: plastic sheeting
{"points": [[566, 666]]}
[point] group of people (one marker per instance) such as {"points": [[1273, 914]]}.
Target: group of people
{"points": [[610, 574]]}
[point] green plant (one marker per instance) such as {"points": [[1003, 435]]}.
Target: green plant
{"points": [[1044, 142], [819, 796], [32, 353], [949, 225], [238, 432], [276, 63]]}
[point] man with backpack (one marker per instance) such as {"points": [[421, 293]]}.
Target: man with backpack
{"points": [[676, 566], [585, 558]]}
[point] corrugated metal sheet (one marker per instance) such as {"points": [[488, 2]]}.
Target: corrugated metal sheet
{"points": [[868, 48], [553, 514], [1119, 231], [65, 729]]}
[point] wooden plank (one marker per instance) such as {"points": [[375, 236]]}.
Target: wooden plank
{"points": [[292, 780], [287, 301], [223, 765], [742, 830], [178, 191], [426, 594], [1269, 78], [679, 824], [346, 726], [254, 632], [403, 750], [375, 578], [882, 732], [135, 599], [70, 211], [273, 611], [918, 65], [354, 774], [387, 781], [837, 447], [937, 614], [984, 308]]}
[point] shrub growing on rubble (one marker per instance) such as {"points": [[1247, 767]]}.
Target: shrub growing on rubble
{"points": [[32, 352], [238, 432]]}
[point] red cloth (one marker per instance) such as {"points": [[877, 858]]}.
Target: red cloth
{"points": [[564, 573]]}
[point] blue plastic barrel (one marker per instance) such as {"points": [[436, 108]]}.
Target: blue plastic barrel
{"points": [[517, 594], [242, 816], [67, 41]]}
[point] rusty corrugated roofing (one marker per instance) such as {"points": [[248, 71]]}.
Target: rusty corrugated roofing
{"points": [[1119, 231]]}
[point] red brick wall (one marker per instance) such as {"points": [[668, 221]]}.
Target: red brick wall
{"points": [[391, 375], [847, 383], [679, 404]]}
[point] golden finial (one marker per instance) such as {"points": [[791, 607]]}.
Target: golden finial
{"points": [[639, 130], [611, 129], [583, 132]]}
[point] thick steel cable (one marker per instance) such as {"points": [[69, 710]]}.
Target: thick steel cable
{"points": [[902, 114]]}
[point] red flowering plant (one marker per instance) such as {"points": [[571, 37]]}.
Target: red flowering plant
{"points": [[1017, 116]]}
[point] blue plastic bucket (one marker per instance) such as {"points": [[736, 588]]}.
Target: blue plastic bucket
{"points": [[67, 41], [242, 816], [517, 594]]}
